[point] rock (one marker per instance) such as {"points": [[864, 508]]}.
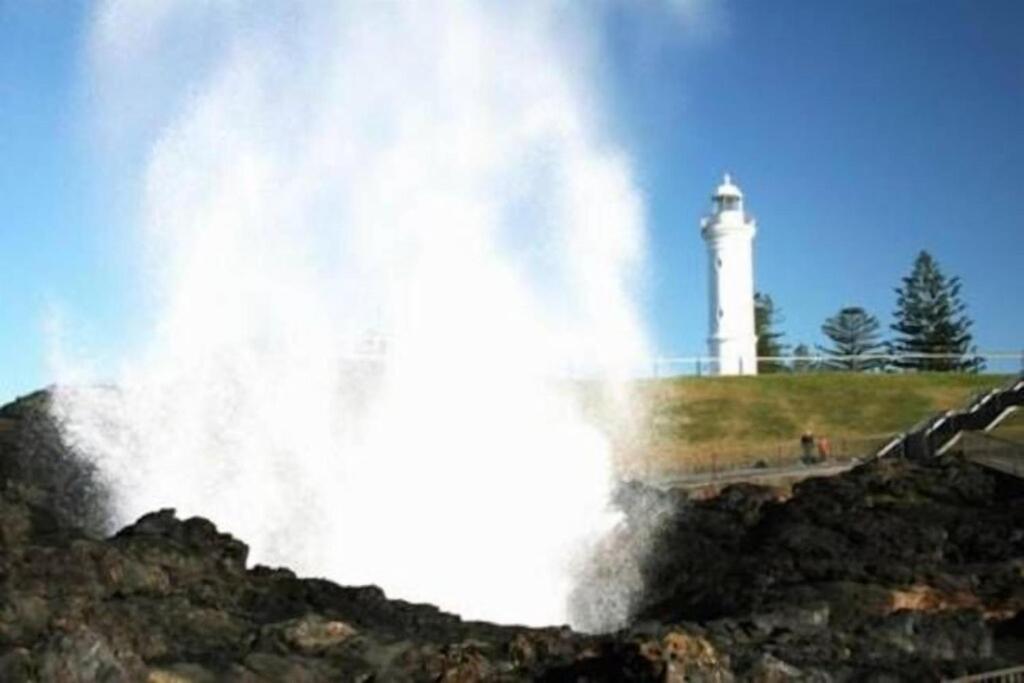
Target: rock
{"points": [[771, 669], [194, 538], [692, 658], [16, 665], [180, 673], [83, 656], [824, 579], [807, 618], [64, 485], [310, 635]]}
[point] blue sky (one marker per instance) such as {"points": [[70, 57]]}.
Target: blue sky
{"points": [[862, 132]]}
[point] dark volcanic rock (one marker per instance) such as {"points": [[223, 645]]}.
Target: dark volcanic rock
{"points": [[32, 452], [895, 571], [170, 600], [895, 567], [167, 600]]}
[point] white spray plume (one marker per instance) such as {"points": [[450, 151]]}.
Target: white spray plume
{"points": [[378, 235]]}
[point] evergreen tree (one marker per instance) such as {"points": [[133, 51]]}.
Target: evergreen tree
{"points": [[854, 332], [931, 318], [802, 361], [766, 318]]}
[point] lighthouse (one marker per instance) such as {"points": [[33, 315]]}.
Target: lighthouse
{"points": [[729, 235]]}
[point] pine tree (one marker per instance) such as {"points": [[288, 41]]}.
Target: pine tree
{"points": [[766, 317], [802, 361], [930, 318], [854, 332]]}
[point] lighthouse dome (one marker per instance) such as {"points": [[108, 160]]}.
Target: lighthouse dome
{"points": [[727, 189]]}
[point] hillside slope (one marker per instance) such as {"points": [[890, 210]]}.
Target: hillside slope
{"points": [[700, 422]]}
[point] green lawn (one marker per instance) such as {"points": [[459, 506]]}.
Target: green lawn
{"points": [[699, 422]]}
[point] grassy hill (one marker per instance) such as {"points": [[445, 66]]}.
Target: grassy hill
{"points": [[697, 423]]}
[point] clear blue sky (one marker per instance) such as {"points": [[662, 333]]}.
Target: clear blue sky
{"points": [[861, 132]]}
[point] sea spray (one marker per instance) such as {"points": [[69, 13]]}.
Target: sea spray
{"points": [[377, 237]]}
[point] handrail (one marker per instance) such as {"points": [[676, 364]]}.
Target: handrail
{"points": [[1013, 674], [934, 435]]}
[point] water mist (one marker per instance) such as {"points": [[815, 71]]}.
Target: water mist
{"points": [[376, 238]]}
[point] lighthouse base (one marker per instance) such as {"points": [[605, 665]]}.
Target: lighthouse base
{"points": [[733, 356]]}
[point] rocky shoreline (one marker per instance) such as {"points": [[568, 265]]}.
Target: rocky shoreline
{"points": [[893, 571]]}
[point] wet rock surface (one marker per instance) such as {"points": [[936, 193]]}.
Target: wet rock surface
{"points": [[895, 571]]}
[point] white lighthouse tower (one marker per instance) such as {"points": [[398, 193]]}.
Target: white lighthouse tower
{"points": [[729, 235]]}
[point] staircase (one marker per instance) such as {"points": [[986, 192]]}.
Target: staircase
{"points": [[938, 434]]}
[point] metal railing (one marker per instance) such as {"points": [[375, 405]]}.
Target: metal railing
{"points": [[667, 366], [937, 434], [1013, 674], [995, 362], [716, 460]]}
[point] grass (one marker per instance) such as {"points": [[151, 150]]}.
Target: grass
{"points": [[700, 423]]}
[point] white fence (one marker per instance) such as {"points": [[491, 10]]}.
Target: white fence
{"points": [[994, 362]]}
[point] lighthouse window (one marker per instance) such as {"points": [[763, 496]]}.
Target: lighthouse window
{"points": [[718, 263], [720, 313]]}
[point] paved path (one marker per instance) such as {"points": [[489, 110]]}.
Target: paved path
{"points": [[754, 475]]}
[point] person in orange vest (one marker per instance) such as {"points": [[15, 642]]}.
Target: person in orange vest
{"points": [[824, 448]]}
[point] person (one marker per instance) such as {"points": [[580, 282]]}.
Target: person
{"points": [[807, 447], [824, 448]]}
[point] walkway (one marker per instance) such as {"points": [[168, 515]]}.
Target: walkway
{"points": [[755, 475]]}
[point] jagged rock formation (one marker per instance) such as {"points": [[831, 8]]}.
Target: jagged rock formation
{"points": [[33, 453], [173, 600], [895, 571], [914, 569]]}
